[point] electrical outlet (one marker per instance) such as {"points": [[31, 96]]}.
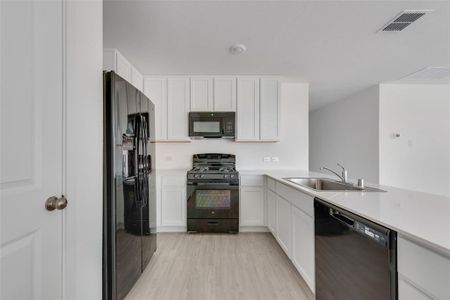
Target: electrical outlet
{"points": [[266, 158], [275, 159], [168, 158]]}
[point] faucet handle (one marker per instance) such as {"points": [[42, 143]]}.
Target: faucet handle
{"points": [[344, 172]]}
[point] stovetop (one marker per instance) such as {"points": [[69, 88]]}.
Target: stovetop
{"points": [[214, 166], [213, 169]]}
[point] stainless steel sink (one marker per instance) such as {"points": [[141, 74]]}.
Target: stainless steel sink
{"points": [[325, 184]]}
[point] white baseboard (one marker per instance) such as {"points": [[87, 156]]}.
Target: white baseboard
{"points": [[171, 229], [253, 229]]}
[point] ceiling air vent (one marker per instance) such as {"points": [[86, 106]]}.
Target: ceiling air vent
{"points": [[404, 19]]}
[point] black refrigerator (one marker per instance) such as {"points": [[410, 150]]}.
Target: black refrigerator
{"points": [[129, 214]]}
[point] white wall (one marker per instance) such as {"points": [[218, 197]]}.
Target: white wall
{"points": [[292, 149], [347, 132], [83, 171], [420, 158]]}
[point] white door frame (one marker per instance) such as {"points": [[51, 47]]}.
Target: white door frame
{"points": [[83, 152]]}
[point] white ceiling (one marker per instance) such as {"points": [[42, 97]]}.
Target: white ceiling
{"points": [[334, 45]]}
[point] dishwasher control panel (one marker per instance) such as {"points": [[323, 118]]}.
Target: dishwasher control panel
{"points": [[371, 233]]}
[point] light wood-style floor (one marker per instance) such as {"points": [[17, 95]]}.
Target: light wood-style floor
{"points": [[219, 266]]}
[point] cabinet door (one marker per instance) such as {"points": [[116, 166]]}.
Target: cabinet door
{"points": [[252, 206], [407, 291], [137, 79], [269, 110], [224, 94], [156, 90], [247, 109], [177, 108], [123, 67], [201, 94], [284, 225], [173, 206], [272, 212], [303, 245]]}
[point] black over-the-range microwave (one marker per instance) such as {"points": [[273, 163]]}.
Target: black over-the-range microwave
{"points": [[211, 124]]}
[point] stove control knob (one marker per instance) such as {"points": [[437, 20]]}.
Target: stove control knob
{"points": [[196, 176], [225, 176], [201, 176], [232, 175]]}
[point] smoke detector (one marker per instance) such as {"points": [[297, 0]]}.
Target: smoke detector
{"points": [[404, 19], [238, 49]]}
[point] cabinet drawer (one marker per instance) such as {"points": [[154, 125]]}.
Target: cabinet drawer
{"points": [[173, 180], [271, 184], [297, 198], [428, 270], [252, 180]]}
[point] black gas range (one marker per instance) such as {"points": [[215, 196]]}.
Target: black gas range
{"points": [[213, 194]]}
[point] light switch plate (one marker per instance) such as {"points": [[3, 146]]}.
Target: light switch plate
{"points": [[275, 159], [266, 158]]}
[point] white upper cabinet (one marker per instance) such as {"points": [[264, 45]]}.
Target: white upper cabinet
{"points": [[137, 79], [269, 110], [123, 67], [255, 100], [224, 93], [247, 122], [201, 94], [113, 60], [178, 106], [213, 93], [258, 109], [155, 88]]}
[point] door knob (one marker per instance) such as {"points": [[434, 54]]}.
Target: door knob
{"points": [[54, 202]]}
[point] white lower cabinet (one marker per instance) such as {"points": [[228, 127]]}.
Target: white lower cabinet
{"points": [[409, 292], [423, 273], [284, 225], [252, 201], [303, 245], [272, 212], [291, 222], [252, 206], [173, 201], [172, 210]]}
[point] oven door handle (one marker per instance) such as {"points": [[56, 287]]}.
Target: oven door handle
{"points": [[213, 184]]}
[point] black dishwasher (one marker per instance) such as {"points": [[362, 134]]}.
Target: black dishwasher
{"points": [[355, 258]]}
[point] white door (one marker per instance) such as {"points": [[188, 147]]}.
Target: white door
{"points": [[173, 202], [303, 245], [224, 93], [247, 109], [269, 110], [178, 108], [284, 225], [272, 212], [156, 90], [252, 206], [31, 149], [201, 94]]}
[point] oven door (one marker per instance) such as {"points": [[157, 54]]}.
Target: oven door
{"points": [[212, 200]]}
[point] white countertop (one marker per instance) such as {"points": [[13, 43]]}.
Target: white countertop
{"points": [[168, 172], [422, 217]]}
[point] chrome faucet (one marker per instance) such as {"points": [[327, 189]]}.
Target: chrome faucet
{"points": [[344, 173]]}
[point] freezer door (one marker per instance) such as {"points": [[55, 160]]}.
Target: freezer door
{"points": [[126, 220], [148, 181]]}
